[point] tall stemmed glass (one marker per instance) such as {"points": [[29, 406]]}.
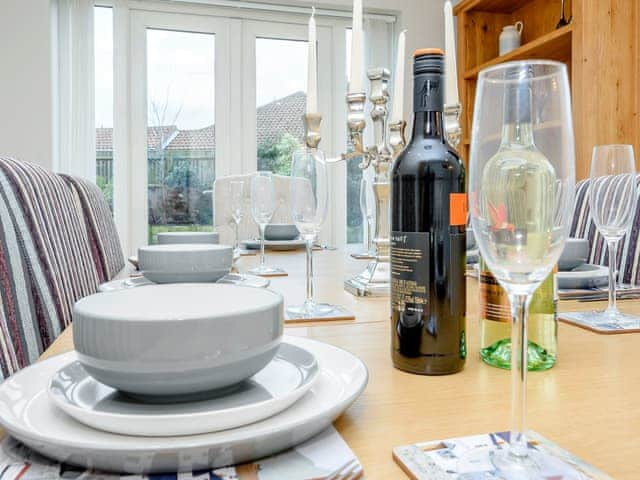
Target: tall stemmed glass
{"points": [[612, 198], [308, 200], [237, 204], [263, 206], [522, 182]]}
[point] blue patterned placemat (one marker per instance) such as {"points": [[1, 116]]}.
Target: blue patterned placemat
{"points": [[325, 456], [446, 459], [593, 321]]}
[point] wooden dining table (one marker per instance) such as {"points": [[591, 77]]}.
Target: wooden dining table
{"points": [[588, 403]]}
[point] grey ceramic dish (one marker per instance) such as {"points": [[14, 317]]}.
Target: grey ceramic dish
{"points": [[574, 254], [281, 231], [188, 237], [177, 340], [180, 263]]}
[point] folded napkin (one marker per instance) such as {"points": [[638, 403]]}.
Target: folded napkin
{"points": [[325, 456]]}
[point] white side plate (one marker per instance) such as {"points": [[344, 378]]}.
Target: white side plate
{"points": [[281, 383]]}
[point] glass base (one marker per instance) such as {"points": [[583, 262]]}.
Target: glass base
{"points": [[266, 270], [614, 318], [499, 355], [310, 310], [506, 465]]}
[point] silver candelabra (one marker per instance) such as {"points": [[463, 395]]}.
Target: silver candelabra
{"points": [[389, 142]]}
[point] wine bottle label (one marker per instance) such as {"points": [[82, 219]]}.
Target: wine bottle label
{"points": [[457, 209], [494, 302], [409, 274]]}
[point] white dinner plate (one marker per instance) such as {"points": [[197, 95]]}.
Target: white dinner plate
{"points": [[123, 283], [281, 383], [583, 277], [253, 244], [29, 415]]}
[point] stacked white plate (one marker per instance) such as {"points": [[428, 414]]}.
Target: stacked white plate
{"points": [[36, 402]]}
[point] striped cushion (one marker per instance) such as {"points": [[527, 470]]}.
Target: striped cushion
{"points": [[583, 226], [46, 262], [101, 229]]}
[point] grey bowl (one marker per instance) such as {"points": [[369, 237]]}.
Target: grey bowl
{"points": [[574, 254], [177, 340], [281, 231], [185, 263], [165, 238]]}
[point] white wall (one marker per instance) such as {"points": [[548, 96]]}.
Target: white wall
{"points": [[26, 86]]}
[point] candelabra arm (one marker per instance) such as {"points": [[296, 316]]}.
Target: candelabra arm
{"points": [[312, 136], [453, 129], [397, 139], [379, 96]]}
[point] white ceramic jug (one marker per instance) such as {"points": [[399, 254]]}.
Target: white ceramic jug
{"points": [[510, 37]]}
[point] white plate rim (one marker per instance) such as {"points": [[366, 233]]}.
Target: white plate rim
{"points": [[289, 399], [184, 441]]}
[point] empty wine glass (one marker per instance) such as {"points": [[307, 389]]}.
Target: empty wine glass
{"points": [[263, 206], [522, 181], [308, 200], [237, 211], [612, 197]]}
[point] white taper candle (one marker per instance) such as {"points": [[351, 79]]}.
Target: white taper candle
{"points": [[397, 114], [312, 68], [450, 70], [357, 60]]}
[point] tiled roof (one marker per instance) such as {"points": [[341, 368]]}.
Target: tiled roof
{"points": [[200, 139], [273, 120], [281, 116]]}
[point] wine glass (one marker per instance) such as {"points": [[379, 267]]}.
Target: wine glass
{"points": [[612, 196], [522, 182], [263, 206], [237, 202], [308, 200], [367, 207]]}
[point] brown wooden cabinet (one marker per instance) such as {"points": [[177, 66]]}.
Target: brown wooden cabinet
{"points": [[601, 47]]}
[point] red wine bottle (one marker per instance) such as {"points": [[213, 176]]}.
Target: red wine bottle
{"points": [[428, 239]]}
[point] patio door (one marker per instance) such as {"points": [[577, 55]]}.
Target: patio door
{"points": [[213, 96], [179, 118]]}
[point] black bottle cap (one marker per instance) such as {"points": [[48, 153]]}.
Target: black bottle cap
{"points": [[428, 60]]}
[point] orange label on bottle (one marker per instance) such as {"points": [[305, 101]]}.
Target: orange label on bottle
{"points": [[457, 209]]}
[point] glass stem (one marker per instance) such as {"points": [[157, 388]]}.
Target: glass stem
{"points": [[309, 272], [613, 250], [369, 235], [519, 342], [237, 239], [262, 228]]}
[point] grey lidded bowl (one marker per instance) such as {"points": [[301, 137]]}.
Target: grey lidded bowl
{"points": [[184, 263], [574, 254], [281, 231], [165, 238], [177, 340]]}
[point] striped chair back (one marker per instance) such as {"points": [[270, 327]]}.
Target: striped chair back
{"points": [[46, 263], [101, 229], [583, 226]]}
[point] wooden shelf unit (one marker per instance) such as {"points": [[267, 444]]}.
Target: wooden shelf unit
{"points": [[601, 47]]}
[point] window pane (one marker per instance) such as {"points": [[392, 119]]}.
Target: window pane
{"points": [[181, 130], [281, 86], [103, 53], [354, 176]]}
